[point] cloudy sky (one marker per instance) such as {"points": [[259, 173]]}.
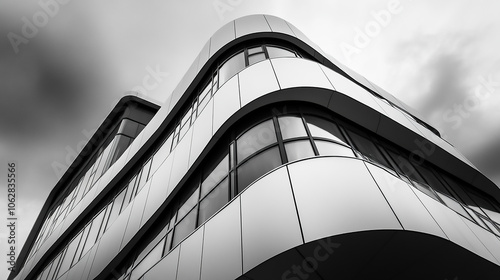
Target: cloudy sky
{"points": [[60, 77]]}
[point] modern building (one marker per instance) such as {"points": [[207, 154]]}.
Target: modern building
{"points": [[270, 160]]}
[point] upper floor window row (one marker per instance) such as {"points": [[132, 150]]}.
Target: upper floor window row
{"points": [[220, 75], [121, 137]]}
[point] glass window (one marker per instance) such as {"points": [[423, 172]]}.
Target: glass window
{"points": [[184, 227], [144, 176], [432, 180], [215, 83], [257, 166], [298, 149], [320, 127], [203, 103], [214, 177], [368, 149], [214, 201], [486, 205], [406, 167], [128, 128], [255, 50], [94, 230], [291, 127], [70, 253], [115, 210], [130, 189], [121, 144], [332, 149], [186, 117], [55, 266], [154, 243], [457, 188], [279, 52], [168, 242], [103, 163], [252, 59], [82, 243], [255, 139], [188, 204], [232, 66]]}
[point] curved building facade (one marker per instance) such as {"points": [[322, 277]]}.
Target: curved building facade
{"points": [[270, 160]]}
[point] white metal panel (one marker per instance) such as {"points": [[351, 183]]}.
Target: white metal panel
{"points": [[298, 72], [336, 196], [190, 256], [226, 102], [251, 24], [269, 219], [408, 208], [222, 245], [257, 80]]}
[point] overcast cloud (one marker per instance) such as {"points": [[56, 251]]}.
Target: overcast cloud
{"points": [[67, 77]]}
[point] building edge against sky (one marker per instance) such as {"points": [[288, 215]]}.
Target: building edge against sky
{"points": [[270, 159]]}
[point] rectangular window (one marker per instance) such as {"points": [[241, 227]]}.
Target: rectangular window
{"points": [[232, 66], [184, 227], [214, 201], [368, 149]]}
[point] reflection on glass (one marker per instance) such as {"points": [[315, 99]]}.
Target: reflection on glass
{"points": [[254, 50], [368, 149], [234, 65], [320, 127], [257, 166], [298, 149], [129, 128], [432, 180], [213, 201], [406, 167], [188, 204], [256, 58], [168, 241], [219, 172], [291, 127], [332, 149], [256, 138], [184, 227], [425, 189], [279, 52]]}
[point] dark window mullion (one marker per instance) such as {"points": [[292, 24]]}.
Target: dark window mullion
{"points": [[197, 206], [281, 146], [246, 57], [266, 53], [311, 139], [349, 140]]}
